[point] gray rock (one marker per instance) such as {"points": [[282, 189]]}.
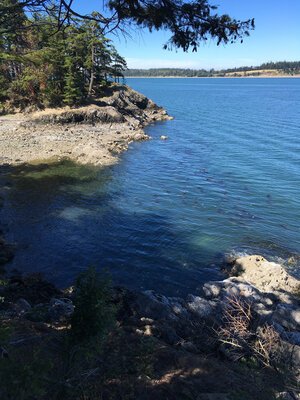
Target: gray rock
{"points": [[23, 305], [146, 305], [279, 328], [284, 396], [232, 287], [151, 305], [188, 346], [201, 307], [291, 353], [169, 335], [60, 309], [287, 315], [139, 137], [262, 310], [293, 337], [212, 289]]}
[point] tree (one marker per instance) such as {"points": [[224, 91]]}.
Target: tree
{"points": [[75, 53], [98, 54], [119, 65], [189, 21], [11, 45], [52, 55], [42, 68], [94, 313]]}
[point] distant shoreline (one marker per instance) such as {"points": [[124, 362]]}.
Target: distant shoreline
{"points": [[214, 77]]}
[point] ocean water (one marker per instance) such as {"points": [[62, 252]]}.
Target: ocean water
{"points": [[227, 181]]}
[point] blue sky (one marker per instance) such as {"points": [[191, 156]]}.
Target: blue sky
{"points": [[275, 38]]}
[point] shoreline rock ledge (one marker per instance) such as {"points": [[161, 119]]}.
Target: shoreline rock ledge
{"points": [[92, 134], [254, 314], [265, 288]]}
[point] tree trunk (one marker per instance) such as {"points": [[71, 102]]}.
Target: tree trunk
{"points": [[92, 74]]}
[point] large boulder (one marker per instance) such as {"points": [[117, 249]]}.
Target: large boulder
{"points": [[264, 275]]}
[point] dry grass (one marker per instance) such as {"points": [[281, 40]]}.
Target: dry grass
{"points": [[236, 333], [242, 337]]}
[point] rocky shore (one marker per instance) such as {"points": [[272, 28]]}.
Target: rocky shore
{"points": [[238, 338], [235, 339], [93, 134]]}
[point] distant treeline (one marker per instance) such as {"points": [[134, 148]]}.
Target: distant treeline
{"points": [[285, 67], [155, 72]]}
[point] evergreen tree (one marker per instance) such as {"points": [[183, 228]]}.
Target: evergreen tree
{"points": [[119, 65], [190, 22], [12, 45], [74, 89], [42, 69]]}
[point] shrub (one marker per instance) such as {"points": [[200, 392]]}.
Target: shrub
{"points": [[94, 313], [268, 347], [23, 378], [242, 337], [236, 333]]}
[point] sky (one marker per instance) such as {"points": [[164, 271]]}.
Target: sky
{"points": [[275, 38]]}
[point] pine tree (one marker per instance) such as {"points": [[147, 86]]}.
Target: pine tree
{"points": [[119, 65], [37, 68], [11, 44]]}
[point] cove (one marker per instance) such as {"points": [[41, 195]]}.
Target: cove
{"points": [[226, 181]]}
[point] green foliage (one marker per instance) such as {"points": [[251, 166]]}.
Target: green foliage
{"points": [[165, 72], [190, 22], [94, 313], [5, 331], [72, 93], [23, 379], [24, 90], [40, 68], [3, 86]]}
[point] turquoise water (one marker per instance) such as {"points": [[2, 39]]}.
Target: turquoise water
{"points": [[226, 181]]}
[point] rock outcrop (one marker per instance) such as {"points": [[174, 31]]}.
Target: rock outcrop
{"points": [[122, 105], [264, 289], [93, 134], [266, 276]]}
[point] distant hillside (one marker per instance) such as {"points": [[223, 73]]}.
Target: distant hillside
{"points": [[281, 68]]}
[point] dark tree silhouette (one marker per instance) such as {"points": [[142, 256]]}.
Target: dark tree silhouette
{"points": [[189, 22]]}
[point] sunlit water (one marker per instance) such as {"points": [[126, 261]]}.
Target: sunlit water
{"points": [[227, 180]]}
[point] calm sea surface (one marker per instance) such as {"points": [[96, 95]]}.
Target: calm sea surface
{"points": [[227, 181]]}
